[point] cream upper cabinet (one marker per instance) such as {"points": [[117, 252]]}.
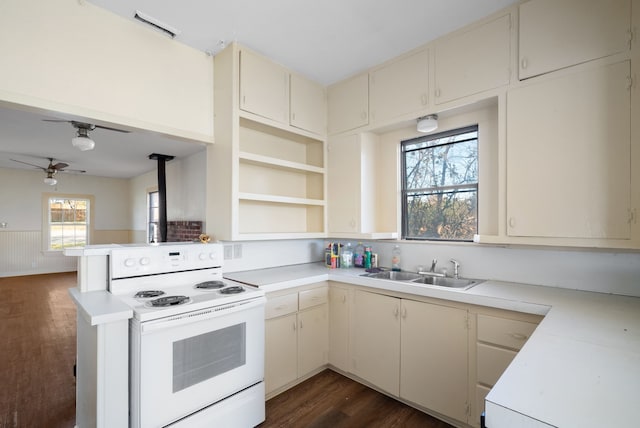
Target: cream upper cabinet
{"points": [[308, 105], [348, 104], [267, 176], [473, 60], [264, 87], [559, 33], [434, 352], [339, 327], [353, 206], [376, 340], [399, 88], [568, 155]]}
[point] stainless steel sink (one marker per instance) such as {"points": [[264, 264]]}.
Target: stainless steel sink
{"points": [[460, 283], [394, 275]]}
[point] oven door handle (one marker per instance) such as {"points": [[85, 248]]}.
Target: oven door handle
{"points": [[200, 315]]}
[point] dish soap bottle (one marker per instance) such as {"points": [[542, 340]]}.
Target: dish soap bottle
{"points": [[358, 256], [395, 258], [347, 257]]}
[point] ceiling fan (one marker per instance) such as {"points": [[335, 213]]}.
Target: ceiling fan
{"points": [[82, 141], [51, 170]]}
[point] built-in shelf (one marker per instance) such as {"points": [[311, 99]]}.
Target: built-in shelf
{"points": [[280, 199], [278, 163]]}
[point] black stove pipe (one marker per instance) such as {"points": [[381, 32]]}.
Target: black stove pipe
{"points": [[162, 193]]}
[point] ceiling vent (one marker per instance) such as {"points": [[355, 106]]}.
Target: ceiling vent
{"points": [[156, 24]]}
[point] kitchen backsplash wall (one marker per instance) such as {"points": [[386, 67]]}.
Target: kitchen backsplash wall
{"points": [[599, 271]]}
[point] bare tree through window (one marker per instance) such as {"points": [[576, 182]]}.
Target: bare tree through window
{"points": [[440, 186]]}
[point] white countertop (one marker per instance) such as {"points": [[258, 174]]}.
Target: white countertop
{"points": [[100, 307], [580, 368]]}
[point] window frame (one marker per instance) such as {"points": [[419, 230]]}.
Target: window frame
{"points": [[46, 219], [404, 192], [150, 191]]}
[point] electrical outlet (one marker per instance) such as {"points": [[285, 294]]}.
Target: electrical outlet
{"points": [[237, 251], [228, 252]]}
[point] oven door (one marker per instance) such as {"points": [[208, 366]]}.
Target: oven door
{"points": [[186, 362]]}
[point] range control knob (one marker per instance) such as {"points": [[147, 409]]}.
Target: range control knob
{"points": [[129, 262], [213, 256], [145, 261], [202, 256]]}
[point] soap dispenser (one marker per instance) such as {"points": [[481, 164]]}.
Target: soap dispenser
{"points": [[395, 258]]}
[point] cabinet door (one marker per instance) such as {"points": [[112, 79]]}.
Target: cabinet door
{"points": [[434, 368], [559, 33], [473, 61], [376, 340], [264, 87], [352, 191], [313, 339], [344, 176], [400, 88], [308, 105], [568, 151], [339, 327], [348, 104], [280, 352]]}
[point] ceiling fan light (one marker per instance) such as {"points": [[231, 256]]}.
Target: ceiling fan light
{"points": [[50, 181], [83, 143], [428, 123]]}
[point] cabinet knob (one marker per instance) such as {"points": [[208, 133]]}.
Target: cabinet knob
{"points": [[512, 222]]}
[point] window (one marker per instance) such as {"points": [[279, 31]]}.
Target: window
{"points": [[153, 214], [67, 222], [440, 186]]}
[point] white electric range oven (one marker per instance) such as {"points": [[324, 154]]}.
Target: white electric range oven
{"points": [[196, 339]]}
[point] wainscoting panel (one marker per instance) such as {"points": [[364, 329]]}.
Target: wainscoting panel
{"points": [[21, 254]]}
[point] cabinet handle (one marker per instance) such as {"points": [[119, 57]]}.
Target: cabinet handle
{"points": [[524, 63], [281, 307], [300, 324], [424, 99], [295, 326], [404, 313], [437, 93], [519, 336], [512, 222], [396, 312], [344, 299]]}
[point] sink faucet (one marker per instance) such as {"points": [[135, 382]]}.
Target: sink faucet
{"points": [[434, 262], [456, 267], [432, 270]]}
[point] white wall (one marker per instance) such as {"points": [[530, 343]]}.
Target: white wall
{"points": [[22, 192]]}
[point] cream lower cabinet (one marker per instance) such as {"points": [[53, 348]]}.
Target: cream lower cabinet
{"points": [[296, 336], [433, 358], [414, 350], [339, 302], [498, 340]]}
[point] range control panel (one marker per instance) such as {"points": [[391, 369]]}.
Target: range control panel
{"points": [[164, 258]]}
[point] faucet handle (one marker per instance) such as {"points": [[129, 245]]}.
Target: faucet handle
{"points": [[434, 262], [456, 266]]}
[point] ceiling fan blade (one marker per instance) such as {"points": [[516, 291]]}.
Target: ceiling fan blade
{"points": [[55, 120], [30, 164], [78, 171], [112, 129], [60, 165]]}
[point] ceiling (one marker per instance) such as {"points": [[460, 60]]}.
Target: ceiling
{"points": [[326, 41]]}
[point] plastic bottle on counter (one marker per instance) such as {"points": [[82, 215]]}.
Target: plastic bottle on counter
{"points": [[395, 258], [358, 256], [367, 257], [347, 256]]}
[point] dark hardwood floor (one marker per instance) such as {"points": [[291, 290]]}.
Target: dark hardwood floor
{"points": [[330, 400], [37, 351], [37, 387]]}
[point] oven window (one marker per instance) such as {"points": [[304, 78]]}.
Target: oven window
{"points": [[208, 355]]}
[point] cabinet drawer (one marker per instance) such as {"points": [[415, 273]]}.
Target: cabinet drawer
{"points": [[504, 332], [316, 296], [281, 305], [492, 362]]}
